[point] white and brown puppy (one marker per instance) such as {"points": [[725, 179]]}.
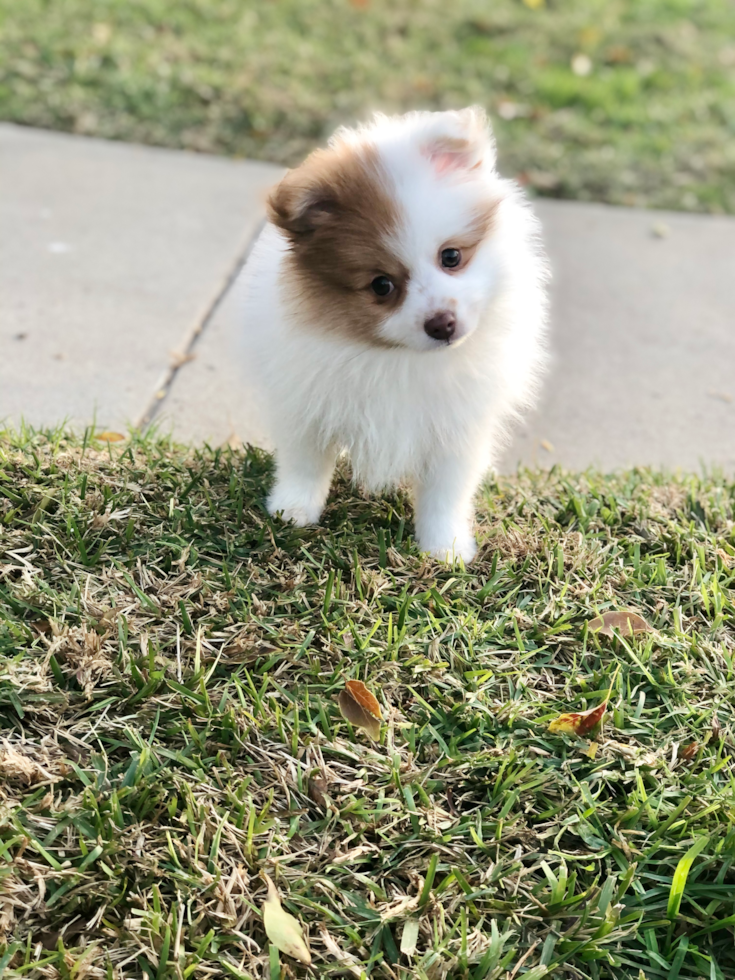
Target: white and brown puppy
{"points": [[396, 310]]}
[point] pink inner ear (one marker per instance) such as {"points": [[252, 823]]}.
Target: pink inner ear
{"points": [[448, 156], [444, 162]]}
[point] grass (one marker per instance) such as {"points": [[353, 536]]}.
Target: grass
{"points": [[170, 659], [651, 123]]}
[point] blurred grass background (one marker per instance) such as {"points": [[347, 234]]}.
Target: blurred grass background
{"points": [[625, 101]]}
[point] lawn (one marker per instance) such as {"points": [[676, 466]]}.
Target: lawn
{"points": [[626, 101], [171, 662]]}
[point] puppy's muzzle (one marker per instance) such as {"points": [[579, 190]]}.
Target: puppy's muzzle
{"points": [[441, 326]]}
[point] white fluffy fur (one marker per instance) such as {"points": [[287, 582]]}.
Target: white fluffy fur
{"points": [[427, 413]]}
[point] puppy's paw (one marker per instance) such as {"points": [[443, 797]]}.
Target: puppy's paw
{"points": [[464, 547], [298, 515], [287, 504]]}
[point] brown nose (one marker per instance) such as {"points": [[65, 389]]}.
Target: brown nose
{"points": [[441, 325]]}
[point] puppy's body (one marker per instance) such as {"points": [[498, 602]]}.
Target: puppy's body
{"points": [[417, 381]]}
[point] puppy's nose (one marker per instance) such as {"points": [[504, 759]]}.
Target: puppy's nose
{"points": [[441, 326]]}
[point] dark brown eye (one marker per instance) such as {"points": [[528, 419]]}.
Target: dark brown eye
{"points": [[382, 286], [451, 257]]}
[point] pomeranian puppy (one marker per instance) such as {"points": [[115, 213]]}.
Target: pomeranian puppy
{"points": [[396, 311]]}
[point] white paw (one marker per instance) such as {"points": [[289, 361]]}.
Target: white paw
{"points": [[290, 508], [463, 547]]}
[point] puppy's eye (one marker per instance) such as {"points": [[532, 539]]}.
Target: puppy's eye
{"points": [[382, 286], [451, 257]]}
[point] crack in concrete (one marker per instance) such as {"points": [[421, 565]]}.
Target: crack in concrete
{"points": [[185, 353]]}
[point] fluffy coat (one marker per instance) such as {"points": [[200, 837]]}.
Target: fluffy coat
{"points": [[396, 311]]}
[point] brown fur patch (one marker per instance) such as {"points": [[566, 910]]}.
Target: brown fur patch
{"points": [[474, 236], [338, 217]]}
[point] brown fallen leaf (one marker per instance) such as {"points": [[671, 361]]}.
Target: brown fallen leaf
{"points": [[283, 930], [317, 790], [689, 751], [579, 722], [109, 437], [360, 707], [618, 54], [625, 621]]}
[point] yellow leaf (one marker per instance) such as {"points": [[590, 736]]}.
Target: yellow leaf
{"points": [[101, 32], [590, 35], [283, 930], [578, 722], [583, 722], [534, 4]]}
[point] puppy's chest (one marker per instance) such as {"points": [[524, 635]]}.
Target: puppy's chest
{"points": [[393, 420]]}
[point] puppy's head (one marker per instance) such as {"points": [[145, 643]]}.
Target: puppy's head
{"points": [[390, 230]]}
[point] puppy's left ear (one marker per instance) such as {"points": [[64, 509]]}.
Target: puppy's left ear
{"points": [[301, 203], [461, 142]]}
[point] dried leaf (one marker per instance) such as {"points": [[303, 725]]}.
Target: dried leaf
{"points": [[317, 790], [409, 936], [101, 32], [579, 722], [283, 930], [625, 621], [360, 708], [345, 960], [24, 765], [618, 54], [349, 857], [689, 751], [109, 437], [364, 697]]}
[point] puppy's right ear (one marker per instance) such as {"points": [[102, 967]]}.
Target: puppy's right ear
{"points": [[300, 204], [459, 142]]}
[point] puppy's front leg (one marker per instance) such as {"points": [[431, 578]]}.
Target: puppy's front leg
{"points": [[303, 474], [445, 507]]}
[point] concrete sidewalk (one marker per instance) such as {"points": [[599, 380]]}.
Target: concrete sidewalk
{"points": [[117, 260], [111, 258]]}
